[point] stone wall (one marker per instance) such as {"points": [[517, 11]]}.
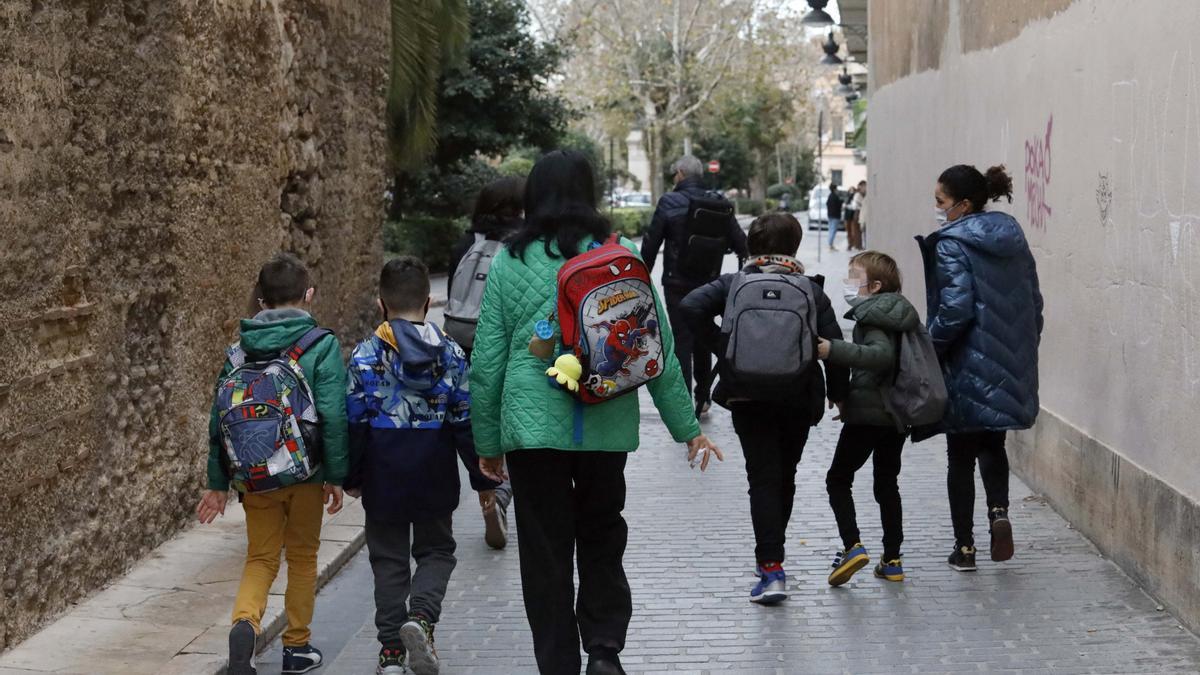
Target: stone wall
{"points": [[152, 155], [1094, 109]]}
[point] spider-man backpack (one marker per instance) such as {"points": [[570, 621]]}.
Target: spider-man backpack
{"points": [[609, 320]]}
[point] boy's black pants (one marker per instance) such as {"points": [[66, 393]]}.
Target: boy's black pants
{"points": [[398, 590], [772, 439], [962, 451], [569, 505], [855, 445], [694, 351]]}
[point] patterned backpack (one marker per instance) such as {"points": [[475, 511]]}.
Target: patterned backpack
{"points": [[609, 320], [268, 420]]}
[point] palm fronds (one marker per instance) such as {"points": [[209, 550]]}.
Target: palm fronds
{"points": [[427, 37]]}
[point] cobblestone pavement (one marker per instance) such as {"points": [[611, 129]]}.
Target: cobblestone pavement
{"points": [[1057, 607]]}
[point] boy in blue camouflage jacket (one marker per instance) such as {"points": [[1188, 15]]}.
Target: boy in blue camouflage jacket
{"points": [[409, 412]]}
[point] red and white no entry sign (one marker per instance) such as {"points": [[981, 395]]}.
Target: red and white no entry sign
{"points": [[714, 166]]}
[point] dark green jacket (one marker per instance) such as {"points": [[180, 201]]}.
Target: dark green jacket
{"points": [[269, 333], [872, 356]]}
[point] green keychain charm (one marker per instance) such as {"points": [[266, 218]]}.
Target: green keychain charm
{"points": [[541, 344]]}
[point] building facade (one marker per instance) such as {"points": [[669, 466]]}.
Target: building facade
{"points": [[1094, 107]]}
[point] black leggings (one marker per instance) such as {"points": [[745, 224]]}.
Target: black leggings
{"points": [[962, 451], [883, 446]]}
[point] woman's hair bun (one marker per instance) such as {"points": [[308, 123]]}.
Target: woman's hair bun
{"points": [[999, 183]]}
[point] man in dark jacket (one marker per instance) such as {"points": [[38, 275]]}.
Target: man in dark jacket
{"points": [[670, 226], [833, 207]]}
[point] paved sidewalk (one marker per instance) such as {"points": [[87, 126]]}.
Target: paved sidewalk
{"points": [[170, 613], [1057, 607]]}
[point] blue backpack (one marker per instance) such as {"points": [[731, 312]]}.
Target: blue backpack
{"points": [[268, 420]]}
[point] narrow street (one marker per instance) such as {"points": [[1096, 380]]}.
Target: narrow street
{"points": [[1057, 607]]}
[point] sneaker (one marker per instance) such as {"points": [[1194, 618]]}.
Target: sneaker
{"points": [[243, 645], [963, 559], [417, 636], [702, 409], [604, 662], [301, 659], [391, 662], [772, 585], [495, 521], [891, 570], [846, 563], [1001, 529]]}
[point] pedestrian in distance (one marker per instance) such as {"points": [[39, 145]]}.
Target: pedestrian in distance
{"points": [[855, 218], [567, 459], [869, 430], [698, 228], [850, 215], [277, 435], [409, 412], [985, 320], [833, 207], [770, 379], [497, 215]]}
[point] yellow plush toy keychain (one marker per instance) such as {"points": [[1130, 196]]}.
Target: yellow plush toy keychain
{"points": [[566, 372]]}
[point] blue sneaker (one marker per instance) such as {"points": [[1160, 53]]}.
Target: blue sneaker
{"points": [[772, 585], [846, 563], [301, 659], [891, 570]]}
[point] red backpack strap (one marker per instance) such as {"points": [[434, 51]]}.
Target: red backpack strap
{"points": [[613, 238]]}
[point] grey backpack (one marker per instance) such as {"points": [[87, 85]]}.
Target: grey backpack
{"points": [[917, 395], [466, 290], [770, 329]]}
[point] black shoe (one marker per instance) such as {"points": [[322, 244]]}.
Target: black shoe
{"points": [[702, 408], [1001, 529], [495, 523], [604, 662], [963, 559], [301, 659], [391, 661], [243, 643]]}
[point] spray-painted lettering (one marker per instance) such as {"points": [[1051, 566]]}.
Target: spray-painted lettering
{"points": [[1037, 177]]}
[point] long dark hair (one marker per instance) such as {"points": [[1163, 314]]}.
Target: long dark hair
{"points": [[560, 206], [498, 206], [963, 181]]}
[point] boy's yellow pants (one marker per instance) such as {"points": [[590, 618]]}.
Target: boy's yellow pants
{"points": [[288, 519]]}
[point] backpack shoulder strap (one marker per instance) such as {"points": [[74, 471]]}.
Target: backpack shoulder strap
{"points": [[306, 342], [480, 237]]}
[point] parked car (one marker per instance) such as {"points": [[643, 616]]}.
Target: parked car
{"points": [[817, 214], [636, 200]]}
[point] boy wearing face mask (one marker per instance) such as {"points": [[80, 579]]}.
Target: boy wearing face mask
{"points": [[870, 430]]}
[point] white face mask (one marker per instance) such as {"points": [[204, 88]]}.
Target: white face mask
{"points": [[850, 289], [941, 216]]}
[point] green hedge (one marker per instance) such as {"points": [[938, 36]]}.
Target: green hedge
{"points": [[428, 238], [631, 222], [750, 207]]}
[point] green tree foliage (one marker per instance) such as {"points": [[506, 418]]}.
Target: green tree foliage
{"points": [[427, 36]]}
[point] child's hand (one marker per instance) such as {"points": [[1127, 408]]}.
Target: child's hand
{"points": [[333, 497], [699, 443], [212, 504], [832, 405], [493, 467], [823, 350]]}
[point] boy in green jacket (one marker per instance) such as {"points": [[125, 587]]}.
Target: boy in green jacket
{"points": [[289, 517], [880, 313]]}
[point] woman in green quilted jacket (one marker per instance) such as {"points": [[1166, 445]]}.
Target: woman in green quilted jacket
{"points": [[569, 486]]}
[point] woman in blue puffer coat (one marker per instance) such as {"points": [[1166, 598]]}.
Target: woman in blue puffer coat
{"points": [[985, 318]]}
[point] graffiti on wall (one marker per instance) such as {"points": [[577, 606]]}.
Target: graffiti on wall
{"points": [[1104, 197], [1037, 177]]}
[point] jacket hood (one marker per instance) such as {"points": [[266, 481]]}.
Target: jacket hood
{"points": [[992, 232], [273, 330], [495, 226], [420, 351], [889, 311]]}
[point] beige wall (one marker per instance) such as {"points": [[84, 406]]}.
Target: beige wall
{"points": [[1095, 109], [152, 154]]}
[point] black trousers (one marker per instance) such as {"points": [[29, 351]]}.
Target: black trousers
{"points": [[694, 351], [399, 591], [962, 451], [855, 445], [569, 506], [772, 439]]}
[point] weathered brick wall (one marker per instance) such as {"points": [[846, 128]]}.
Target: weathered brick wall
{"points": [[152, 154]]}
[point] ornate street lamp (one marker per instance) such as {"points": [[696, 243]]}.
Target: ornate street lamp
{"points": [[831, 49], [818, 17], [845, 88]]}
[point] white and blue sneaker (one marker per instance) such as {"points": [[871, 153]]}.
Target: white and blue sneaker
{"points": [[301, 659], [772, 585]]}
